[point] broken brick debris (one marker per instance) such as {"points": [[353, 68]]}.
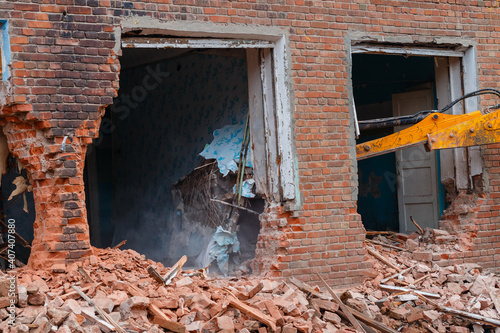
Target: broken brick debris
{"points": [[414, 292], [400, 294], [116, 288]]}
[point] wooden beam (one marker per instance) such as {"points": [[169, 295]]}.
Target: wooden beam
{"points": [[174, 270], [99, 310], [383, 259], [252, 312], [255, 290], [344, 308], [104, 326], [155, 275], [372, 323], [274, 312], [400, 289], [308, 289], [159, 317]]}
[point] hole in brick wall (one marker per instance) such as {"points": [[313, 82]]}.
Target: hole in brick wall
{"points": [[18, 212], [395, 186], [146, 181]]}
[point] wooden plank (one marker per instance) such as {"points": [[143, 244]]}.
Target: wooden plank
{"points": [[367, 328], [400, 289], [99, 310], [372, 323], [193, 43], [383, 259], [169, 324], [85, 275], [255, 290], [159, 317], [252, 312], [270, 123], [274, 312], [257, 128], [344, 308], [174, 270], [483, 319], [117, 246], [470, 75], [308, 289], [397, 274], [385, 245], [284, 118], [461, 179], [104, 326], [446, 158], [155, 275], [420, 51], [71, 294]]}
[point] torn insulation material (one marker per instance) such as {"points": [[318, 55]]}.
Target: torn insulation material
{"points": [[226, 148]]}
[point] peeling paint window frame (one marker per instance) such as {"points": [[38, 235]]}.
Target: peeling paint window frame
{"points": [[281, 184], [5, 49]]}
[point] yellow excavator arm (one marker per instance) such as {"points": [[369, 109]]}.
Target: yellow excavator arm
{"points": [[438, 131]]}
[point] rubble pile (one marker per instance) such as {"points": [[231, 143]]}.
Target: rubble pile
{"points": [[122, 285], [121, 291], [421, 296]]}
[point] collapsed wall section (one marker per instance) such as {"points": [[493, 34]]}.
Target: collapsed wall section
{"points": [[63, 71]]}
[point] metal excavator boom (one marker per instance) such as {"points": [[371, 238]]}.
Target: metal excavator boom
{"points": [[438, 131]]}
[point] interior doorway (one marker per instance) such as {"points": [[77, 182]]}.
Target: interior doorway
{"points": [[146, 180], [395, 186]]}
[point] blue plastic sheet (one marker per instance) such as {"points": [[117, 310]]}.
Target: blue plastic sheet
{"points": [[226, 148]]}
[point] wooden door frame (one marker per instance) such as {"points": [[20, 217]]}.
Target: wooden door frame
{"points": [[270, 99], [458, 165]]}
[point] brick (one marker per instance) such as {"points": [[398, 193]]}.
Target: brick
{"points": [[430, 316], [398, 313], [57, 316], [414, 315], [422, 256], [331, 317], [184, 282], [135, 302], [225, 323], [106, 303]]}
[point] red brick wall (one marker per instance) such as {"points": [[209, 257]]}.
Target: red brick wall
{"points": [[64, 71]]}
